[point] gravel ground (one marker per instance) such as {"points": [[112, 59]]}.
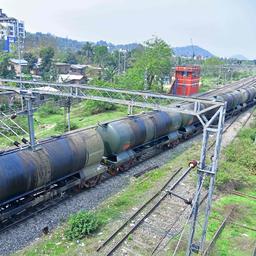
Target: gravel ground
{"points": [[29, 231]]}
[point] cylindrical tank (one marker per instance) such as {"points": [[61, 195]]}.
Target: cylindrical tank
{"points": [[237, 98], [252, 93], [25, 170], [244, 95], [187, 119], [228, 97], [132, 131]]}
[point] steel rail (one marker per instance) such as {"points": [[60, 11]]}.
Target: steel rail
{"points": [[168, 231], [116, 246], [238, 193], [217, 234], [139, 210]]}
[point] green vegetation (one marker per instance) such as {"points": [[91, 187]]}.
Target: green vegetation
{"points": [[81, 224], [50, 119], [237, 172], [234, 239], [47, 67], [238, 168], [6, 70], [152, 65]]}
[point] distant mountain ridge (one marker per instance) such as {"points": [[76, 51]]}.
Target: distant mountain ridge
{"points": [[238, 57], [34, 40], [187, 51]]}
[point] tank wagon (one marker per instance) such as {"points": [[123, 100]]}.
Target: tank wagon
{"points": [[77, 159], [126, 141], [29, 177]]}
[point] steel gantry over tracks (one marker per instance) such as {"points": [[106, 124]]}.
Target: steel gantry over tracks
{"points": [[208, 163]]}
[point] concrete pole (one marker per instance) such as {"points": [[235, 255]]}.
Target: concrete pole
{"points": [[31, 123]]}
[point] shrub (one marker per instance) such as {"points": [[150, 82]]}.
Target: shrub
{"points": [[49, 108], [96, 107], [238, 167], [81, 224], [63, 127]]}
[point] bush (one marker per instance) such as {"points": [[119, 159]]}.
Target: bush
{"points": [[81, 224], [61, 127], [95, 107], [239, 165], [49, 108]]}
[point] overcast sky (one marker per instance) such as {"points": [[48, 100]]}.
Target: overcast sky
{"points": [[224, 27]]}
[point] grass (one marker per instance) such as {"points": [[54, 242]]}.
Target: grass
{"points": [[238, 167], [234, 240], [211, 82], [50, 124], [237, 171]]}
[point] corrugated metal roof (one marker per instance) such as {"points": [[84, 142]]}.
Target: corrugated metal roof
{"points": [[68, 77], [17, 61]]}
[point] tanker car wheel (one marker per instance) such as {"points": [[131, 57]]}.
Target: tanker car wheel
{"points": [[92, 182], [113, 171]]}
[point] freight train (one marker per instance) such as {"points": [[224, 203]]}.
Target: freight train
{"points": [[78, 159]]}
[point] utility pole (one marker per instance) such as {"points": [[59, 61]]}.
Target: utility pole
{"points": [[206, 169], [19, 55], [32, 139], [124, 61], [68, 112], [146, 80], [193, 50], [119, 62]]}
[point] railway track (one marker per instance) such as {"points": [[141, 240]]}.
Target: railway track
{"points": [[130, 245], [60, 196], [152, 225], [210, 246]]}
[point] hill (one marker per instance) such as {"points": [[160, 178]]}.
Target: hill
{"points": [[37, 40], [238, 57], [187, 51]]}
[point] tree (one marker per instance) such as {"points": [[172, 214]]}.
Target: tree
{"points": [[213, 61], [46, 54], [70, 57], [47, 67], [109, 74], [6, 69], [100, 55], [87, 51], [212, 67], [31, 59], [151, 65]]}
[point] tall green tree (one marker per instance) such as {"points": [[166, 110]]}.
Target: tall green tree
{"points": [[31, 59], [150, 67], [70, 57], [101, 55], [6, 69], [47, 67], [87, 51]]}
